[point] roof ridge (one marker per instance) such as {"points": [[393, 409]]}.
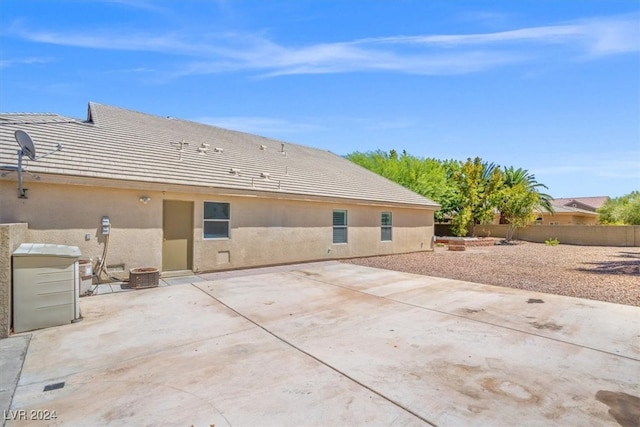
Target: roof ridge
{"points": [[192, 122], [576, 198], [35, 118]]}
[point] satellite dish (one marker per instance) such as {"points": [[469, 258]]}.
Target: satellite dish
{"points": [[26, 143], [27, 148]]}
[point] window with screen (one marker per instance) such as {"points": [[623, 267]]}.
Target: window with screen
{"points": [[339, 226], [216, 220], [386, 224]]}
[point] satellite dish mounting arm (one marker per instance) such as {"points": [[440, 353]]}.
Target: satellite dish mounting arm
{"points": [[22, 192], [27, 148], [58, 148]]}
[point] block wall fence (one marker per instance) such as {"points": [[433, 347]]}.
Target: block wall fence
{"points": [[586, 235]]}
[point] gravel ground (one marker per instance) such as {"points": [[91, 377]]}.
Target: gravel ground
{"points": [[601, 273]]}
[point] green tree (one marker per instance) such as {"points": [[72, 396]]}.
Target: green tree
{"points": [[517, 206], [427, 177], [514, 176], [621, 210], [520, 199], [478, 184]]}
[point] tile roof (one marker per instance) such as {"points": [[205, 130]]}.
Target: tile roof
{"points": [[558, 209], [114, 143], [594, 202]]}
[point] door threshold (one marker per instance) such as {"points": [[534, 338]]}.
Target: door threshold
{"points": [[177, 273]]}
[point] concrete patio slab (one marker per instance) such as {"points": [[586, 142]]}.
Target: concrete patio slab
{"points": [[174, 356], [510, 368], [12, 353], [599, 325], [335, 344]]}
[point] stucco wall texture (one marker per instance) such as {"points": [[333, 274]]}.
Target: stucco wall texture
{"points": [[71, 215], [588, 235], [11, 236], [568, 219], [264, 231], [558, 218]]}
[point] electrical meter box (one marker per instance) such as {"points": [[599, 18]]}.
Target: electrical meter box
{"points": [[46, 283]]}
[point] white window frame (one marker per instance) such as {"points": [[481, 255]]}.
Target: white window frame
{"points": [[386, 227], [344, 226], [205, 220]]}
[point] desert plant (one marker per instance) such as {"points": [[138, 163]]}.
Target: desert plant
{"points": [[552, 242]]}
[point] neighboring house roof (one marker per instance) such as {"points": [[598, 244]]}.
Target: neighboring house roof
{"points": [[562, 209], [589, 203], [118, 144]]}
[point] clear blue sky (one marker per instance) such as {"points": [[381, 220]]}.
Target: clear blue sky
{"points": [[549, 86]]}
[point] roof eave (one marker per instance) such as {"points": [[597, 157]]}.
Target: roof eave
{"points": [[98, 181]]}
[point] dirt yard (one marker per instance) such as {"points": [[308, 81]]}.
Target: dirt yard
{"points": [[601, 273]]}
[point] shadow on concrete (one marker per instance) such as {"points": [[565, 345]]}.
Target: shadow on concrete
{"points": [[628, 263]]}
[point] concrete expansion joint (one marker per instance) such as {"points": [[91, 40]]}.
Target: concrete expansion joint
{"points": [[463, 317], [322, 362]]}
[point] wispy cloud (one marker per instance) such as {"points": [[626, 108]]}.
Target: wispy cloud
{"points": [[546, 35], [599, 36], [439, 54], [108, 40], [4, 63]]}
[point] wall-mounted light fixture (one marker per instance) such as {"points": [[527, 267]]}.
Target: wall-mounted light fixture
{"points": [[144, 199]]}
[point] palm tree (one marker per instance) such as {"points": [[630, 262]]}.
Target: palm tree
{"points": [[513, 177]]}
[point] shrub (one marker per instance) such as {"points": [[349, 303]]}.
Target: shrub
{"points": [[552, 242]]}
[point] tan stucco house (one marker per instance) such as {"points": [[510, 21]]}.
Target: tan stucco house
{"points": [[567, 215], [585, 203], [184, 196], [562, 215]]}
